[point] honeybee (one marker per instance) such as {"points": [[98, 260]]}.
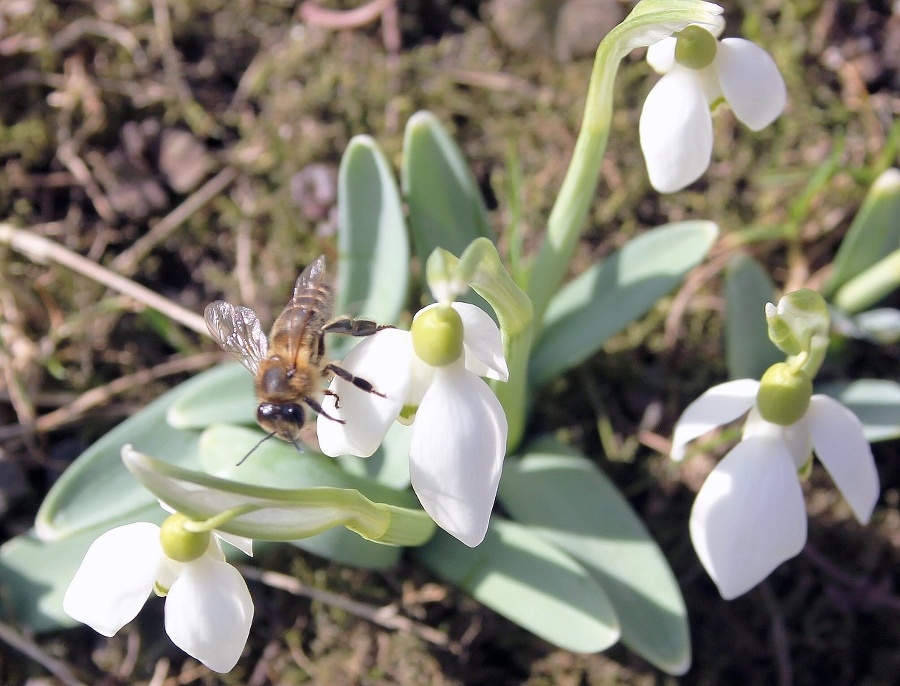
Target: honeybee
{"points": [[289, 365]]}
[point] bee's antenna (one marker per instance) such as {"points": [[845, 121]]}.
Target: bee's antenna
{"points": [[253, 449]]}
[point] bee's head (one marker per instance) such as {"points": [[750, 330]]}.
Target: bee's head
{"points": [[285, 420]]}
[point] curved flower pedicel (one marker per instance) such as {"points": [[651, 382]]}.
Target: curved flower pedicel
{"points": [[208, 606], [700, 73], [431, 376], [749, 515]]}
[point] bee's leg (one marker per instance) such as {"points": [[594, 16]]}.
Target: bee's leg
{"points": [[318, 408], [353, 327], [360, 383], [337, 398]]}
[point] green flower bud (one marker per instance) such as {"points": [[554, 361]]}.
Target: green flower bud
{"points": [[178, 543], [784, 394], [695, 47], [437, 336]]}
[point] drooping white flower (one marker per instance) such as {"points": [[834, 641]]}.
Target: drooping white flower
{"points": [[459, 427], [749, 515], [208, 606], [699, 72]]}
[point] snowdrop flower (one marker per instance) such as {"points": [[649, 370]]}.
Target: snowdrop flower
{"points": [[700, 72], [430, 375], [208, 607], [749, 515]]}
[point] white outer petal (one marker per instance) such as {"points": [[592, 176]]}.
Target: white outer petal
{"points": [[837, 436], [456, 452], [749, 516], [751, 82], [242, 543], [661, 55], [719, 405], [676, 131], [795, 437], [383, 360], [115, 577], [483, 342], [208, 613]]}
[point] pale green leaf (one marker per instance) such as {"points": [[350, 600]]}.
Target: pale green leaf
{"points": [[870, 285], [373, 245], [446, 209], [97, 488], [277, 463], [874, 233], [223, 394], [276, 514], [875, 401], [390, 463], [34, 573], [530, 582], [748, 350], [603, 300], [568, 501]]}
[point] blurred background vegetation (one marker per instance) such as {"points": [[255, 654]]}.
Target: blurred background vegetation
{"points": [[193, 147]]}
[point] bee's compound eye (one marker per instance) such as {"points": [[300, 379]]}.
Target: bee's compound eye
{"points": [[266, 412], [293, 413]]}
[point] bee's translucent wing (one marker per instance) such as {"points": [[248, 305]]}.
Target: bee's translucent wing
{"points": [[237, 330], [312, 277]]}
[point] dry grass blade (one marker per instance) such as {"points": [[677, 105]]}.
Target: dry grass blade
{"points": [[34, 652], [97, 396], [40, 249], [384, 616]]}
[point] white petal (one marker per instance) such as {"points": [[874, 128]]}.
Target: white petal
{"points": [[676, 131], [115, 578], [795, 437], [749, 516], [208, 613], [483, 342], [838, 439], [661, 55], [242, 543], [383, 360], [751, 82], [719, 405], [456, 452], [420, 377]]}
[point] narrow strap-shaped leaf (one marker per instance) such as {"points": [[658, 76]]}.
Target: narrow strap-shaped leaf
{"points": [[604, 299], [35, 573], [223, 394], [748, 350], [276, 514], [874, 233], [97, 488], [446, 209], [529, 581], [373, 244], [875, 401], [568, 501]]}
